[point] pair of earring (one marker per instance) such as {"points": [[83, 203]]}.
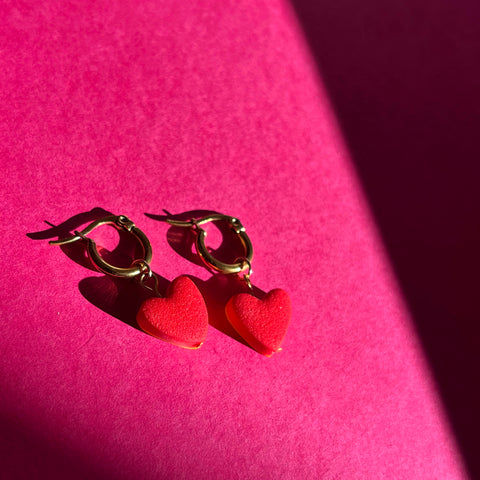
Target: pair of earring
{"points": [[181, 317]]}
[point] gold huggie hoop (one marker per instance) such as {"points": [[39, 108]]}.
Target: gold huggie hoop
{"points": [[202, 250], [120, 222]]}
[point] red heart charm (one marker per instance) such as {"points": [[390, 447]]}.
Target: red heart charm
{"points": [[179, 318], [261, 323]]}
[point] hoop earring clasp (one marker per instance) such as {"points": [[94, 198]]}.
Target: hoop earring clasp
{"points": [[120, 222], [207, 258]]}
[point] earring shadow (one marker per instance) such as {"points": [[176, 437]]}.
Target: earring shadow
{"points": [[65, 229], [121, 298], [182, 240]]}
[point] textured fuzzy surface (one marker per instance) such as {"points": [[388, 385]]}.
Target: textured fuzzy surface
{"points": [[263, 323], [180, 318], [138, 106]]}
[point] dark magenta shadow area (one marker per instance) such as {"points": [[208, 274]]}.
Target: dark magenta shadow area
{"points": [[404, 81], [28, 452]]}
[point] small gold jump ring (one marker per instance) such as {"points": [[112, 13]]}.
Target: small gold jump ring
{"points": [[246, 276], [145, 268]]}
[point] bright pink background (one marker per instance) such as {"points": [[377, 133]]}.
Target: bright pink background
{"points": [[135, 107]]}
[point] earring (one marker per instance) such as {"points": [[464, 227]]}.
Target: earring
{"points": [[262, 323], [180, 317]]}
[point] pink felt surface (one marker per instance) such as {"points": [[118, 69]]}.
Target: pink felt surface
{"points": [[134, 107]]}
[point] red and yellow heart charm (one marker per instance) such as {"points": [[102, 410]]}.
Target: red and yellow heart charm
{"points": [[179, 318], [262, 323]]}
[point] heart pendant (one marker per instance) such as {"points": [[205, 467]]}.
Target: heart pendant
{"points": [[179, 318], [262, 323]]}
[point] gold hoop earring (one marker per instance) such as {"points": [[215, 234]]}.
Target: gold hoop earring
{"points": [[262, 323], [180, 317]]}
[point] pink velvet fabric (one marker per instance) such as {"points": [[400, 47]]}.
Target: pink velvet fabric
{"points": [[135, 107]]}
